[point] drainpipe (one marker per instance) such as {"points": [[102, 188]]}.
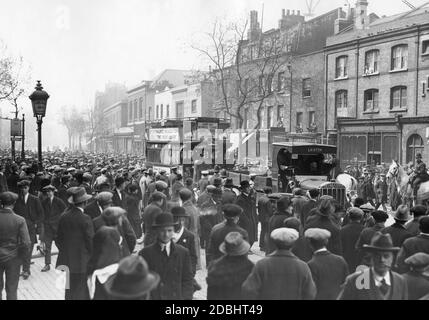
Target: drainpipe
{"points": [[325, 124], [417, 69], [357, 78]]}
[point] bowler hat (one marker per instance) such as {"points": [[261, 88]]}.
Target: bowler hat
{"points": [[244, 184], [381, 242], [77, 195], [217, 182], [185, 193], [24, 183], [132, 279], [229, 183], [164, 219], [234, 245], [179, 212], [231, 210], [7, 198]]}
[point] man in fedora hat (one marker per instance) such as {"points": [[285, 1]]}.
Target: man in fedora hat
{"points": [[53, 207], [377, 282], [231, 213], [171, 261], [14, 244], [132, 280], [397, 230], [74, 241], [29, 207], [226, 275], [418, 276], [249, 219], [412, 245], [328, 270], [281, 275], [101, 201]]}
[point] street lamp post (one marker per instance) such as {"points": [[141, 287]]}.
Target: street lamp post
{"points": [[39, 99], [23, 138], [289, 67]]}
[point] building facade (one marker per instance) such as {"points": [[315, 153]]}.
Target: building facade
{"points": [[377, 80]]}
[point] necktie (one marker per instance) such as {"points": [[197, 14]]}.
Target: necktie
{"points": [[384, 288], [164, 251]]}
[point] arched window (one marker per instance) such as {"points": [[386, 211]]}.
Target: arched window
{"points": [[414, 145], [399, 57], [341, 67], [371, 62]]}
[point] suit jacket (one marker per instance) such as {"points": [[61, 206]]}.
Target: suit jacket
{"points": [[52, 214], [175, 272], [413, 226], [411, 246], [12, 182], [279, 276], [417, 284], [349, 235], [398, 290], [398, 232], [329, 272], [33, 214], [74, 240], [106, 249], [118, 202], [93, 210], [217, 236], [334, 244], [308, 206], [187, 240], [126, 231]]}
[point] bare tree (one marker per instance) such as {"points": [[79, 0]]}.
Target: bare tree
{"points": [[244, 71]]}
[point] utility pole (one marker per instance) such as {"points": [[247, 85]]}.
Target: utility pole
{"points": [[23, 138], [12, 139]]}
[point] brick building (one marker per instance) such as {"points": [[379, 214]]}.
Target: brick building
{"points": [[377, 80]]}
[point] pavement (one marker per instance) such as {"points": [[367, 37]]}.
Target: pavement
{"points": [[43, 285]]}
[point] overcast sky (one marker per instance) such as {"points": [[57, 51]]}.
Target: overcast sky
{"points": [[76, 46]]}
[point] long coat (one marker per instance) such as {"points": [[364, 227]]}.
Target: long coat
{"points": [[280, 276], [329, 272], [149, 214], [398, 233], [248, 219], [411, 246], [193, 225], [118, 202], [217, 236], [398, 288], [349, 235], [52, 215], [74, 240], [225, 277], [187, 240], [175, 272], [32, 212], [334, 244], [93, 209]]}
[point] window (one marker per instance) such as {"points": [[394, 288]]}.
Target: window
{"points": [[270, 117], [398, 97], [414, 145], [281, 82], [141, 108], [299, 119], [130, 111], [194, 106], [425, 47], [306, 88], [370, 100], [167, 111], [341, 99], [135, 110], [280, 115], [149, 113], [162, 111], [374, 148], [371, 62], [270, 83], [261, 84], [341, 67], [157, 112], [399, 57], [311, 118], [179, 109]]}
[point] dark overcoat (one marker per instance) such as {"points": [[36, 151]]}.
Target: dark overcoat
{"points": [[175, 272], [93, 210], [149, 214], [349, 235], [398, 233], [32, 212], [411, 246], [334, 244], [418, 285], [248, 219], [52, 213], [187, 240]]}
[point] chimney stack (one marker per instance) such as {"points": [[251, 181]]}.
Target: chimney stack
{"points": [[293, 12], [361, 16], [288, 12], [299, 12], [283, 12]]}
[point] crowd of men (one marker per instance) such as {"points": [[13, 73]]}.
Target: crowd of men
{"points": [[97, 209]]}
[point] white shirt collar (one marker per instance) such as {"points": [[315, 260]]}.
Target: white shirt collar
{"points": [[82, 210], [379, 278], [178, 235], [26, 198], [167, 245], [321, 250], [119, 194]]}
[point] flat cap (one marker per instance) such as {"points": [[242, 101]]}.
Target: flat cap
{"points": [[287, 236], [49, 188], [317, 234], [379, 216], [367, 207], [204, 173], [418, 260], [179, 212], [231, 210], [355, 213], [210, 188], [104, 197], [24, 183], [185, 192], [8, 198], [161, 185]]}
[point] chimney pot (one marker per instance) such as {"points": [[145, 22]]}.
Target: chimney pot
{"points": [[288, 12], [283, 12], [299, 12], [293, 12]]}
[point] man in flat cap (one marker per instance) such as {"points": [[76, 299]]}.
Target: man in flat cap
{"points": [[349, 235], [281, 275], [101, 201], [249, 219], [366, 235], [231, 213], [417, 277], [53, 207], [417, 211], [14, 245], [397, 230], [377, 282], [74, 241], [329, 271], [30, 208], [412, 245]]}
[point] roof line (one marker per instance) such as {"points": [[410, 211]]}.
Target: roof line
{"points": [[411, 11]]}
